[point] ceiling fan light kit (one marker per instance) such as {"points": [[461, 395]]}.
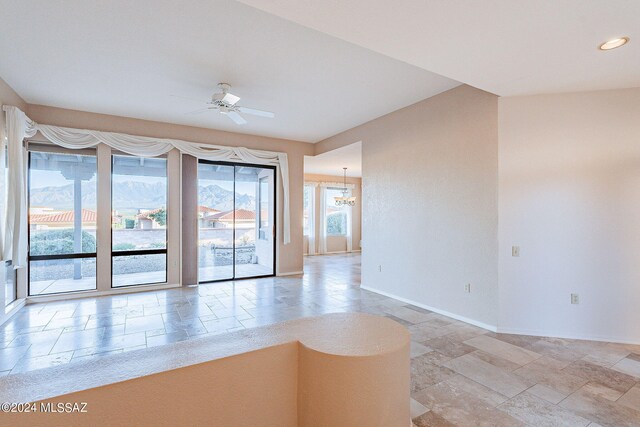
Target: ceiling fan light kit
{"points": [[225, 103]]}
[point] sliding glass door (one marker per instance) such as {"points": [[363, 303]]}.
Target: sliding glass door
{"points": [[236, 221], [215, 221]]}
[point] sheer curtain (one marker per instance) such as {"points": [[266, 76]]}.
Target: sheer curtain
{"points": [[322, 235], [19, 127], [311, 220], [349, 230], [3, 188]]}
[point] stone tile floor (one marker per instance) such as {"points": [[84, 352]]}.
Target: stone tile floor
{"points": [[461, 375]]}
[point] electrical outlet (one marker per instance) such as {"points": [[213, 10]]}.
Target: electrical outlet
{"points": [[515, 251], [379, 269], [467, 288], [575, 299]]}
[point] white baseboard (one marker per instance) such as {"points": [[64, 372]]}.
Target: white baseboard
{"points": [[588, 337], [515, 331], [474, 322], [334, 253], [290, 273]]}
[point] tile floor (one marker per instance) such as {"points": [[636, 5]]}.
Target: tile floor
{"points": [[461, 375]]}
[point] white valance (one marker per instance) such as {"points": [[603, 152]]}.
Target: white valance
{"points": [[19, 126]]}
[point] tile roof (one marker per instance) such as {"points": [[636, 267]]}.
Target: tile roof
{"points": [[207, 209], [145, 215], [65, 217], [241, 214]]}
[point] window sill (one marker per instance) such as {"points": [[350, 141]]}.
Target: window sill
{"points": [[97, 293]]}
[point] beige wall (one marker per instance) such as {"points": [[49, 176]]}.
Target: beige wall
{"points": [[289, 256], [432, 169], [9, 97], [189, 227], [570, 199], [338, 243]]}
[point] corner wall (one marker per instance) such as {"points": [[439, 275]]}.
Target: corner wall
{"points": [[430, 203], [570, 199]]}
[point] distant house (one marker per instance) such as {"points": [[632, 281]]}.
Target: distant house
{"points": [[243, 218], [145, 222], [205, 211], [48, 218]]}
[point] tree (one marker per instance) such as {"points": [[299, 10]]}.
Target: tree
{"points": [[160, 216], [337, 223]]}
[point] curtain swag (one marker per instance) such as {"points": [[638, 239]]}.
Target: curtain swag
{"points": [[19, 126]]}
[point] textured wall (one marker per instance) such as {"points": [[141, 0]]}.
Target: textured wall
{"points": [[570, 198], [433, 168]]}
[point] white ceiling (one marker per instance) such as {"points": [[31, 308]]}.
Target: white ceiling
{"points": [[332, 162], [127, 57], [507, 47]]}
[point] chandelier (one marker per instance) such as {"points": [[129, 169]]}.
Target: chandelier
{"points": [[344, 200]]}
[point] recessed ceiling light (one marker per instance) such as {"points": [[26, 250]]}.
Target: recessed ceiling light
{"points": [[614, 43]]}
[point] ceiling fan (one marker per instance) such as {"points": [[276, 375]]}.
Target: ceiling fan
{"points": [[226, 103]]}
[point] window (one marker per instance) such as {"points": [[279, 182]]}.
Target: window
{"points": [[62, 221], [263, 211], [139, 220], [336, 215]]}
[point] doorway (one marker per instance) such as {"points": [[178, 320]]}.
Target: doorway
{"points": [[236, 221]]}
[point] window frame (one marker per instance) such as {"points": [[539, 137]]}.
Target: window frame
{"points": [[133, 252], [49, 148], [274, 212], [262, 231]]}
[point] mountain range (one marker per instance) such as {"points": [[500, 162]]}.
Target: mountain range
{"points": [[143, 195]]}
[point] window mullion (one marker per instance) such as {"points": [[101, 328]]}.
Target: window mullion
{"points": [[104, 218]]}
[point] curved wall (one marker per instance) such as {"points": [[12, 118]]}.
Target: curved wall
{"points": [[335, 370]]}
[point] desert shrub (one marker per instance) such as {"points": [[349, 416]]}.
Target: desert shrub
{"points": [[56, 242]]}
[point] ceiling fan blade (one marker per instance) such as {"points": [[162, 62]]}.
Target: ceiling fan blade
{"points": [[198, 111], [230, 98], [255, 112], [236, 117]]}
